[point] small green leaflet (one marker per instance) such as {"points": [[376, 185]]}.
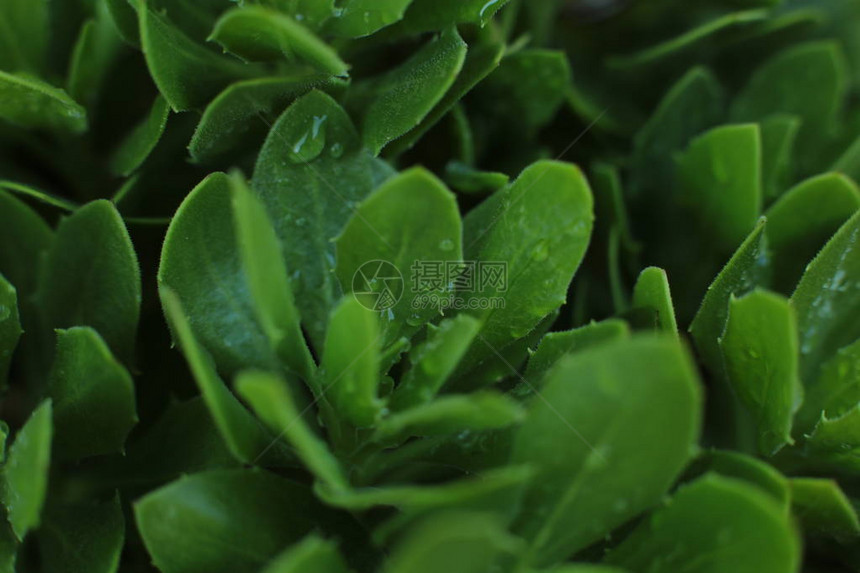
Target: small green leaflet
{"points": [[429, 15], [760, 350], [10, 327], [92, 394], [778, 140], [606, 446], [137, 146], [32, 103], [837, 389], [714, 524], [823, 509], [26, 471], [256, 33], [358, 18], [25, 236], [652, 292], [312, 554]]}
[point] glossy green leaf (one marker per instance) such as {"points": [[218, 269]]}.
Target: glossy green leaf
{"points": [[244, 437], [556, 345], [201, 249], [310, 554], [538, 229], [802, 221], [385, 249], [823, 509], [226, 520], [434, 360], [429, 15], [26, 471], [312, 13], [240, 116], [10, 327], [837, 389], [606, 445], [760, 350], [778, 141], [350, 363], [271, 400], [24, 34], [481, 60], [92, 395], [187, 74], [692, 105], [310, 174], [91, 278], [742, 273], [455, 542], [720, 180], [751, 470], [140, 143], [451, 415], [396, 103], [256, 33], [827, 299], [835, 442], [83, 537], [31, 103], [358, 18], [652, 292], [268, 282], [713, 524]]}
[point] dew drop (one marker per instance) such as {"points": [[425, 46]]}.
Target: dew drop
{"points": [[540, 252], [336, 150], [446, 245]]}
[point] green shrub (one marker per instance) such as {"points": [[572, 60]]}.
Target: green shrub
{"points": [[450, 286]]}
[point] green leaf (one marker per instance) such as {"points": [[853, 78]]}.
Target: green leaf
{"points": [[802, 221], [244, 437], [760, 350], [200, 250], [692, 105], [239, 118], [607, 444], [84, 537], [395, 103], [823, 509], [350, 363], [358, 18], [836, 391], [742, 274], [388, 236], [95, 52], [827, 299], [91, 278], [720, 180], [481, 60], [454, 542], [538, 229], [652, 292], [271, 400], [24, 34], [260, 253], [451, 415], [816, 96], [24, 236], [187, 74], [310, 554], [430, 15], [256, 33], [92, 395], [466, 179], [713, 524], [434, 360], [124, 16], [26, 471], [31, 103], [313, 13], [751, 470], [226, 521], [140, 143], [835, 442], [556, 345], [311, 197], [10, 328], [778, 140]]}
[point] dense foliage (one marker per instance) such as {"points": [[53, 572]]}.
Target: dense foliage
{"points": [[430, 286]]}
